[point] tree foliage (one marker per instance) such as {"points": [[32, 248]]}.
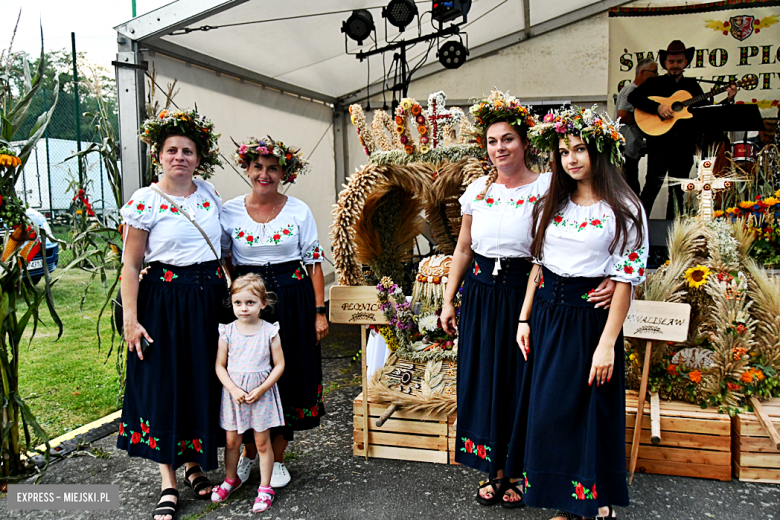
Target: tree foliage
{"points": [[94, 82]]}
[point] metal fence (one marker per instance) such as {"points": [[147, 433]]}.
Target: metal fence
{"points": [[51, 176]]}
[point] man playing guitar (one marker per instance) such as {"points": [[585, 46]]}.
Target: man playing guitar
{"points": [[673, 151]]}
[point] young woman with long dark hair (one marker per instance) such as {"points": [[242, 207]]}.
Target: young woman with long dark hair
{"points": [[589, 225]]}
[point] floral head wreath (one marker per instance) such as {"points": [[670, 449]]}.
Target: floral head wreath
{"points": [[190, 124], [290, 159], [585, 123], [500, 107]]}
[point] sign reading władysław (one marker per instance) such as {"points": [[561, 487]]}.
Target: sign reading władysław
{"points": [[732, 41], [660, 321]]}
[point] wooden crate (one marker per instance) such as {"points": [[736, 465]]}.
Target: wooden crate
{"points": [[405, 436], [452, 423], [755, 457], [694, 442]]}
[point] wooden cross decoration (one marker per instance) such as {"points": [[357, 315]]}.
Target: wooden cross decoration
{"points": [[440, 117], [704, 183]]}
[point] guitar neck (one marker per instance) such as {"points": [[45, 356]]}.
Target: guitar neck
{"points": [[702, 97]]}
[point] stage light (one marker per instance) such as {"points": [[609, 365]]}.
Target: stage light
{"points": [[400, 13], [359, 25], [452, 54], [447, 10]]}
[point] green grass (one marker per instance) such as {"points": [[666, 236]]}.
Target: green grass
{"points": [[69, 383]]}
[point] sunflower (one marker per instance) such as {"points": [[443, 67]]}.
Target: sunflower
{"points": [[697, 276]]}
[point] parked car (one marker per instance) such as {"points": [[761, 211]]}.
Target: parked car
{"points": [[34, 256]]}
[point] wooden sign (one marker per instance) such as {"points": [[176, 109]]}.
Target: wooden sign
{"points": [[653, 321], [355, 305], [657, 321], [358, 305]]}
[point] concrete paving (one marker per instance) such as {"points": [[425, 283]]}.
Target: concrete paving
{"points": [[328, 482]]}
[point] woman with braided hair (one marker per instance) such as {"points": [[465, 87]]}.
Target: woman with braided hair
{"points": [[493, 254]]}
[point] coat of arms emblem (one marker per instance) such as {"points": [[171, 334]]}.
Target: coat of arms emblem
{"points": [[741, 26]]}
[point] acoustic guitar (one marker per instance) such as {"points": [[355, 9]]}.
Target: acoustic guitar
{"points": [[652, 124]]}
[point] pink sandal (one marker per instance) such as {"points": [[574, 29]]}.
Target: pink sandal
{"points": [[223, 491], [265, 497]]}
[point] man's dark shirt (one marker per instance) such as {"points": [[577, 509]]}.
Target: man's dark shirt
{"points": [[682, 136]]}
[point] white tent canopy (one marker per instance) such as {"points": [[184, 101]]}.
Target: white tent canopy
{"points": [[281, 67]]}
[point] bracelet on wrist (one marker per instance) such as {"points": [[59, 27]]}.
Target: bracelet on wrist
{"points": [[522, 321]]}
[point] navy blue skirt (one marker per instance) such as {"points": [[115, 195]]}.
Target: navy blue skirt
{"points": [[300, 387], [490, 364], [171, 409], [576, 434]]}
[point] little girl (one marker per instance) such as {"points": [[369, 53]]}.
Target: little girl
{"points": [[250, 398]]}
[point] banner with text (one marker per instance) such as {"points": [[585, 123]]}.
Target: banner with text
{"points": [[733, 40]]}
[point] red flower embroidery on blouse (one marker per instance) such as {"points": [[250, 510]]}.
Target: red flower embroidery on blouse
{"points": [[633, 256], [641, 271], [489, 200], [250, 238], [532, 200], [164, 206], [286, 231], [140, 207], [558, 219], [174, 210], [583, 225], [595, 222], [136, 438], [469, 445], [240, 234], [206, 204], [628, 269], [277, 237]]}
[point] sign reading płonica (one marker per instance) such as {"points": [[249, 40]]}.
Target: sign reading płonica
{"points": [[355, 304], [732, 41]]}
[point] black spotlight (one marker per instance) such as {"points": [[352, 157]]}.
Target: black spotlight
{"points": [[359, 25], [446, 10], [400, 13], [452, 54]]}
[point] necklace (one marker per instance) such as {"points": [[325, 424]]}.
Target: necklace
{"points": [[270, 215]]}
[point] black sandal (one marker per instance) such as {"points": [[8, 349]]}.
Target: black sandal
{"points": [[508, 484], [167, 508], [199, 484], [569, 516], [498, 491]]}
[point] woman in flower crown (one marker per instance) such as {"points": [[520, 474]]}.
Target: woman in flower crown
{"points": [[275, 235], [171, 407], [493, 254], [590, 225]]}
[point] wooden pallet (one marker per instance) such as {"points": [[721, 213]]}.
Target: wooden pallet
{"points": [[694, 442], [755, 457], [405, 436]]}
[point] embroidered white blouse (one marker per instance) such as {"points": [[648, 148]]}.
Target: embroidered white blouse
{"points": [[501, 220], [292, 235], [577, 244], [173, 239]]}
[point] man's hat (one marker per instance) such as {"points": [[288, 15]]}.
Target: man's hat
{"points": [[676, 47]]}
